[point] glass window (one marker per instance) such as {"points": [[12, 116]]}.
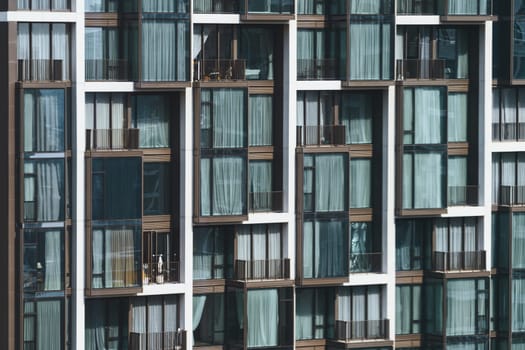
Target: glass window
{"points": [[457, 117], [314, 313], [55, 5], [107, 323], [453, 49], [44, 120], [518, 302], [370, 7], [172, 6], [365, 248], [325, 249], [468, 7], [157, 188], [269, 6], [44, 256], [151, 114], [519, 47], [409, 244], [256, 47], [360, 183], [457, 180], [116, 256], [102, 54], [212, 252], [408, 309], [357, 112], [43, 50], [44, 190], [467, 302], [518, 240], [370, 52], [259, 252], [208, 314], [261, 120], [43, 324], [261, 194], [101, 5], [116, 188], [433, 307], [160, 258]]}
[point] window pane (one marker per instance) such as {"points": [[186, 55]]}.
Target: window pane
{"points": [[157, 188], [360, 183], [261, 120], [151, 115], [43, 260], [457, 117]]}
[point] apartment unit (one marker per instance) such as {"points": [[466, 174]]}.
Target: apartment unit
{"points": [[262, 174]]}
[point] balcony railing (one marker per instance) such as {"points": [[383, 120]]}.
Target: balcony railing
{"points": [[45, 69], [262, 269], [365, 262], [106, 69], [416, 7], [508, 131], [463, 195], [157, 341], [217, 70], [276, 7], [318, 69], [457, 261], [111, 139], [321, 135], [420, 69], [155, 273], [265, 201], [216, 6], [466, 7], [512, 195], [370, 329]]}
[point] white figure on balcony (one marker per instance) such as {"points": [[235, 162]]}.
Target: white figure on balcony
{"points": [[160, 275]]}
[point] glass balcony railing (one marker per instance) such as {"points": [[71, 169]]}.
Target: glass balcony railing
{"points": [[512, 195], [420, 69], [365, 262], [318, 69], [369, 329], [111, 139], [321, 135], [262, 269], [157, 340], [508, 131], [458, 261], [106, 69]]}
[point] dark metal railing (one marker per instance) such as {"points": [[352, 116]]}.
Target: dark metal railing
{"points": [[216, 6], [106, 69], [463, 195], [321, 135], [365, 262], [110, 139], [512, 195], [154, 273], [417, 7], [219, 69], [262, 269], [420, 69], [158, 341], [508, 131], [45, 69], [265, 201], [318, 69], [454, 261], [369, 329]]}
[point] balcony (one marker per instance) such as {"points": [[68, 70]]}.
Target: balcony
{"points": [[318, 69], [219, 70], [112, 139], [420, 69], [160, 273], [216, 6], [265, 202], [45, 69], [321, 135], [365, 262], [512, 195], [356, 330], [157, 341], [106, 69], [462, 195], [262, 269], [508, 131], [458, 261]]}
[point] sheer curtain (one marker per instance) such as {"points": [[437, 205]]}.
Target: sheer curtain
{"points": [[95, 325], [229, 122], [360, 183], [198, 307], [461, 307], [95, 44], [495, 178], [331, 254], [263, 317], [408, 181], [356, 116], [261, 185], [44, 120], [305, 53], [61, 46], [304, 314], [40, 51], [155, 324], [260, 254], [49, 325], [261, 120], [360, 245], [404, 245], [365, 51], [203, 253], [508, 114], [457, 117], [374, 312], [330, 184], [179, 6], [457, 180], [496, 132], [518, 240], [429, 116], [308, 249], [229, 182], [152, 118], [463, 7], [53, 261], [47, 188], [428, 180], [365, 7]]}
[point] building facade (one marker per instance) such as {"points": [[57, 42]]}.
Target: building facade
{"points": [[249, 174]]}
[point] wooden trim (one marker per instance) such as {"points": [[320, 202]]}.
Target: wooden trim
{"points": [[267, 17], [336, 281], [146, 85], [365, 343]]}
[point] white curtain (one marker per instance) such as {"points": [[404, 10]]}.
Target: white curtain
{"points": [[356, 116], [360, 245], [508, 114], [457, 117], [428, 181], [179, 6], [95, 45], [365, 51], [461, 307], [495, 178], [429, 116], [518, 240], [46, 188], [508, 169], [263, 317], [203, 253], [365, 7], [44, 120], [260, 254], [40, 51], [229, 122], [155, 325], [261, 185], [374, 311], [308, 249], [360, 183], [462, 52], [244, 250], [464, 7], [306, 54], [138, 316], [198, 307], [457, 180], [228, 186], [330, 182], [53, 261], [404, 245], [49, 325], [61, 46], [261, 119], [205, 182], [152, 116], [408, 181], [95, 325], [403, 309]]}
